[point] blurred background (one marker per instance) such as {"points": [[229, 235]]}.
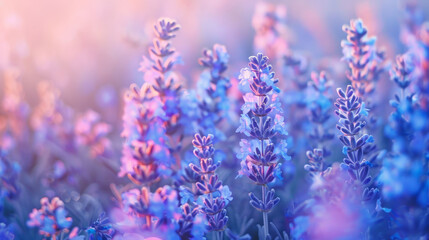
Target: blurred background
{"points": [[91, 50]]}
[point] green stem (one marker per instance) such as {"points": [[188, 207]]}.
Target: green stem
{"points": [[265, 214]]}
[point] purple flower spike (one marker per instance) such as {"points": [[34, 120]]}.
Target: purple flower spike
{"points": [[101, 229], [351, 125], [262, 121], [51, 218], [365, 61], [214, 198]]}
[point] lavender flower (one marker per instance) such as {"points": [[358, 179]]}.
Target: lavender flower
{"points": [[296, 74], [212, 89], [365, 61], [366, 64], [164, 86], [351, 126], [192, 224], [403, 175], [296, 67], [151, 214], [319, 105], [92, 133], [145, 154], [402, 172], [216, 196], [316, 163], [101, 229], [262, 121], [159, 75], [51, 218], [359, 52], [151, 118]]}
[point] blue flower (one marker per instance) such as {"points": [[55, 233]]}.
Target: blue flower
{"points": [[51, 218], [101, 229]]}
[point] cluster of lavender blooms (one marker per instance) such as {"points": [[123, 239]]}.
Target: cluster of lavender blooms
{"points": [[362, 57], [101, 229], [91, 132], [262, 121], [51, 219], [366, 65], [351, 125], [215, 196], [404, 173], [296, 74], [169, 181], [151, 113], [163, 81], [320, 107], [212, 88], [151, 120]]}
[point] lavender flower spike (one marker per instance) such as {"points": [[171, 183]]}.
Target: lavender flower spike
{"points": [[359, 52], [51, 218], [216, 196], [101, 229], [212, 89], [159, 74], [261, 120], [351, 126]]}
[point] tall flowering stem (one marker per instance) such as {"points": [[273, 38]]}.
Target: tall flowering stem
{"points": [[142, 151], [151, 118], [295, 70], [351, 127], [154, 214], [192, 224], [51, 219], [214, 85], [159, 74], [366, 64], [151, 113], [320, 106], [261, 121], [215, 196], [403, 167], [359, 52]]}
